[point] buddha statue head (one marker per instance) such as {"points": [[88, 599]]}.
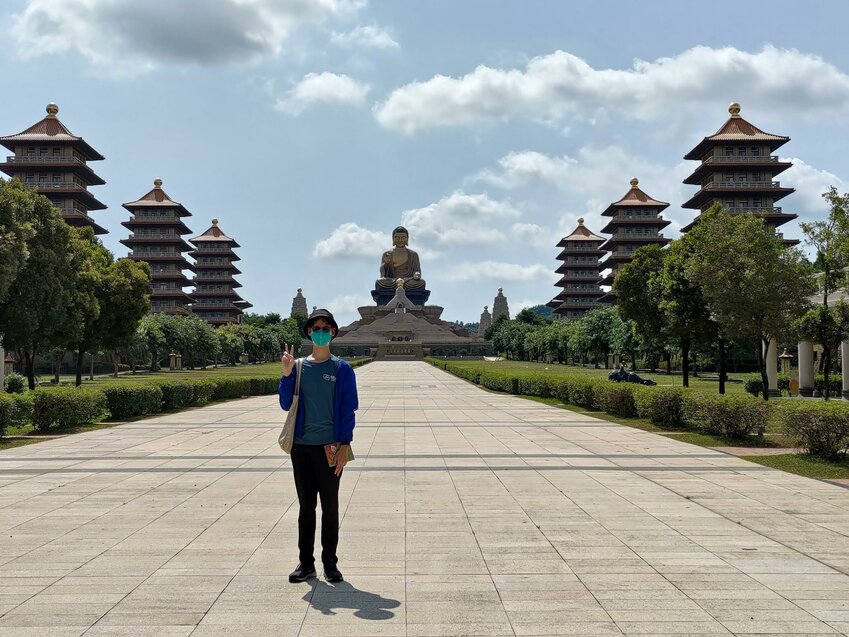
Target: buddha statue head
{"points": [[400, 237]]}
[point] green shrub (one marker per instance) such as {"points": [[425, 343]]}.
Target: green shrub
{"points": [[820, 428], [537, 385], [231, 388], [262, 386], [14, 382], [131, 401], [15, 411], [663, 406], [581, 392], [615, 399], [67, 407], [176, 394], [202, 391], [728, 415]]}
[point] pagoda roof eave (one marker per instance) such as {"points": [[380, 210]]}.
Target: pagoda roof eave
{"points": [[614, 223]]}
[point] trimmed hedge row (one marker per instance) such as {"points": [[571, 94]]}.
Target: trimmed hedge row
{"points": [[669, 407], [63, 407]]}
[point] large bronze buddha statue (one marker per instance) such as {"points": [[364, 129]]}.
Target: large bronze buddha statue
{"points": [[400, 266]]}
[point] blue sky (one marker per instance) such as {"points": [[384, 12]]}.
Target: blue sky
{"points": [[311, 128]]}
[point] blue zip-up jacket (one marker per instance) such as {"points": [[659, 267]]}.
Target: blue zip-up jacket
{"points": [[345, 401]]}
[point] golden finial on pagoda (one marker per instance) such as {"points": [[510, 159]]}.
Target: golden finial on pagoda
{"points": [[157, 183], [734, 109], [52, 109], [634, 182], [215, 222], [580, 221]]}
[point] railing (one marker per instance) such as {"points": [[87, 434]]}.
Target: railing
{"points": [[144, 255], [634, 235], [741, 185], [745, 159], [742, 210], [73, 212], [581, 249], [33, 159], [54, 185], [137, 235]]}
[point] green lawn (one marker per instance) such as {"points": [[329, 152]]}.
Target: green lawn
{"points": [[263, 369], [508, 366], [804, 465]]}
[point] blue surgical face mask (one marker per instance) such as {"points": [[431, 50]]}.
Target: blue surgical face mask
{"points": [[321, 338]]}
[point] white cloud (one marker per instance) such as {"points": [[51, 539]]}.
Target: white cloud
{"points": [[130, 36], [602, 174], [350, 241], [533, 234], [810, 184], [460, 219], [344, 307], [498, 271], [365, 36], [322, 88], [561, 87]]}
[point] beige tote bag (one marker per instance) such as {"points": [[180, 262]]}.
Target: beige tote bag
{"points": [[287, 435]]}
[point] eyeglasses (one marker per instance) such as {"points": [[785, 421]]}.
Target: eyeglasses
{"points": [[321, 329]]}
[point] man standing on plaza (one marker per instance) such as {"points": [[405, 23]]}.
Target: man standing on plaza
{"points": [[323, 432]]}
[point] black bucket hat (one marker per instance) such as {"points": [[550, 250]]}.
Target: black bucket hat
{"points": [[320, 314]]}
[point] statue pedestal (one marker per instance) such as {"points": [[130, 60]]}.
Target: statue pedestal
{"points": [[417, 297]]}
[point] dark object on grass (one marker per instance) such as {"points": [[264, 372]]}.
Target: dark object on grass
{"points": [[621, 376]]}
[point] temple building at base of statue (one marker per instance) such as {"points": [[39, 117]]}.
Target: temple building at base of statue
{"points": [[54, 161], [396, 327]]}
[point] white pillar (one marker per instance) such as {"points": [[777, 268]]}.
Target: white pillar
{"points": [[772, 368], [844, 364], [806, 368]]}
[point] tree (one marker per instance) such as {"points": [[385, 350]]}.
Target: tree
{"points": [[110, 298], [232, 342], [151, 332], [34, 314], [625, 341], [830, 240], [489, 334], [637, 301], [16, 230], [532, 317], [686, 316], [754, 285], [596, 332]]}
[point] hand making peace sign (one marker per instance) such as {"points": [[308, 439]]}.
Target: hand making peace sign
{"points": [[288, 359]]}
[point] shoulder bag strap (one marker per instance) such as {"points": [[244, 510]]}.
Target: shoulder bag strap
{"points": [[299, 366]]}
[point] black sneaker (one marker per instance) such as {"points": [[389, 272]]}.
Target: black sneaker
{"points": [[302, 574], [333, 575]]}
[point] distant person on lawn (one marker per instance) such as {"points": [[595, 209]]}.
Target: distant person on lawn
{"points": [[328, 400]]}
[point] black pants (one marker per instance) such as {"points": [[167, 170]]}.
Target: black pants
{"points": [[313, 477]]}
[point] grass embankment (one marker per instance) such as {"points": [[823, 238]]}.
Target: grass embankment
{"points": [[667, 410]]}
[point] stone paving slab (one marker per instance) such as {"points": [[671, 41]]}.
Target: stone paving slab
{"points": [[465, 513]]}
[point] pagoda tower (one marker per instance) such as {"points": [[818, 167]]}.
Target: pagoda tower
{"points": [[156, 225], [581, 273], [499, 305], [634, 222], [53, 161], [737, 169], [299, 304], [215, 299], [485, 321]]}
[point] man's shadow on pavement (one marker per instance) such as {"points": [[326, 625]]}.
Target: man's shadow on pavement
{"points": [[328, 597]]}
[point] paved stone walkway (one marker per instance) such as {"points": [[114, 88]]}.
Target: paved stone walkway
{"points": [[466, 513]]}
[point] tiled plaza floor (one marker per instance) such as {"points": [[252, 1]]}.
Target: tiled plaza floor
{"points": [[465, 513]]}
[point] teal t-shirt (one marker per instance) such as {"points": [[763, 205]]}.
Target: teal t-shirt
{"points": [[318, 384]]}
